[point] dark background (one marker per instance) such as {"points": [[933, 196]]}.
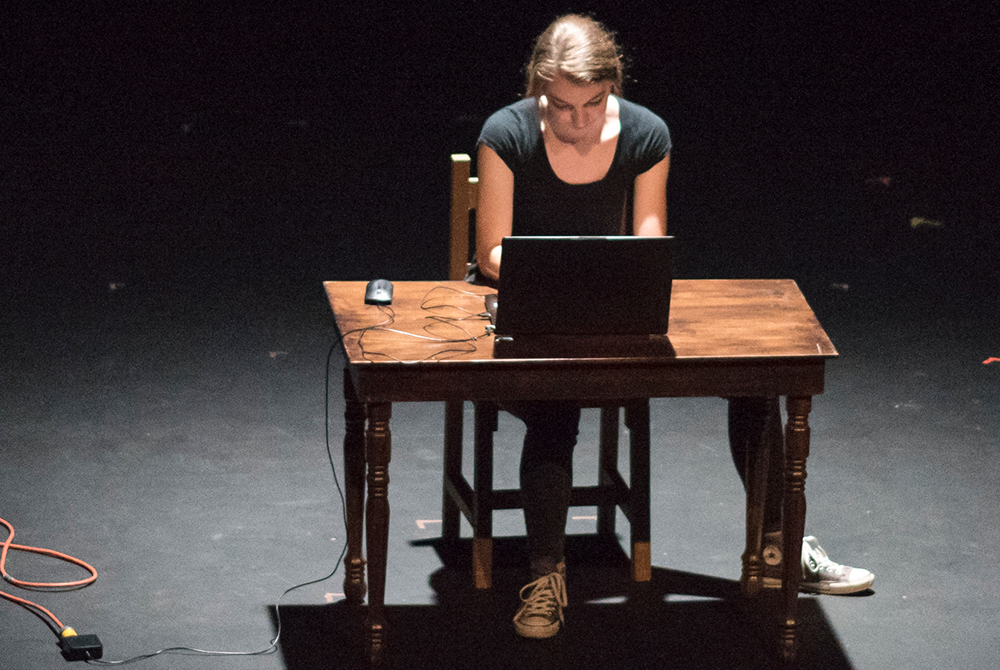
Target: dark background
{"points": [[162, 140], [176, 179]]}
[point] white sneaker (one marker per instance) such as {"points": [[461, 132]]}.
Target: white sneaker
{"points": [[821, 575], [540, 614]]}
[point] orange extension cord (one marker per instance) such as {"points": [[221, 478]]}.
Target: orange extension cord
{"points": [[39, 586]]}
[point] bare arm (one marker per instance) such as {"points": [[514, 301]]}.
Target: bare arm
{"points": [[495, 211], [649, 204]]}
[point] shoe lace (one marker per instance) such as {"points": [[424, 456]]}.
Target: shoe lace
{"points": [[819, 563], [548, 595]]}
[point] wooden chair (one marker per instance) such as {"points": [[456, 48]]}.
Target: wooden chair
{"points": [[478, 501]]}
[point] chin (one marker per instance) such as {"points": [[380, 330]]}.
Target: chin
{"points": [[570, 137]]}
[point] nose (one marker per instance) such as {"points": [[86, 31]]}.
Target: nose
{"points": [[579, 119]]}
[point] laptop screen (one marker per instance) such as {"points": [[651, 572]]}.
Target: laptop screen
{"points": [[615, 285]]}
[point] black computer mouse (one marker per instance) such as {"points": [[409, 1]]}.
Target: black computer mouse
{"points": [[378, 292]]}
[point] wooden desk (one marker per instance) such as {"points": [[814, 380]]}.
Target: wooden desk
{"points": [[730, 338]]}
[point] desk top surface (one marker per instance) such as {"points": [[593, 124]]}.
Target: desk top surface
{"points": [[441, 323]]}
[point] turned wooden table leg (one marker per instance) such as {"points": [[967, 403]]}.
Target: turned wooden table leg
{"points": [[378, 452], [354, 492], [794, 515]]}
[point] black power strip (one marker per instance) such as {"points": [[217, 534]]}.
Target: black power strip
{"points": [[81, 647]]}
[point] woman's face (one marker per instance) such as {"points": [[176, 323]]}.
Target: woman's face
{"points": [[575, 112]]}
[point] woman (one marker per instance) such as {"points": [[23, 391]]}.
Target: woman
{"points": [[574, 158]]}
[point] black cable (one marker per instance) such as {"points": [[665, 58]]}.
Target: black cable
{"points": [[273, 646]]}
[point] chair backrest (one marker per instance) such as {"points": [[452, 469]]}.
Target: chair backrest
{"points": [[464, 198]]}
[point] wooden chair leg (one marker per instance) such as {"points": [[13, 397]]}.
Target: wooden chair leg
{"points": [[757, 469], [608, 464], [482, 522], [637, 420], [453, 426]]}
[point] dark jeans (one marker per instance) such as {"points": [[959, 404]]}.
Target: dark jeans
{"points": [[547, 466], [546, 477], [755, 423]]}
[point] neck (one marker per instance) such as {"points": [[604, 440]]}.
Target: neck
{"points": [[608, 131]]}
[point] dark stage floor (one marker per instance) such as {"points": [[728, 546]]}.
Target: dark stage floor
{"points": [[165, 338]]}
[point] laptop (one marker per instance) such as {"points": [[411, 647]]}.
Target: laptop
{"points": [[583, 296]]}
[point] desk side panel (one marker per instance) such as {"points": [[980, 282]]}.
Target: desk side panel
{"points": [[712, 378]]}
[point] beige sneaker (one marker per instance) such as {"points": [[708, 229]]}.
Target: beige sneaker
{"points": [[540, 614]]}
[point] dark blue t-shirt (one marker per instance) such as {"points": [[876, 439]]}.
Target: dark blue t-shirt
{"points": [[546, 205]]}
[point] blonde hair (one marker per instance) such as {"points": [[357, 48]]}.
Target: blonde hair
{"points": [[579, 48]]}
